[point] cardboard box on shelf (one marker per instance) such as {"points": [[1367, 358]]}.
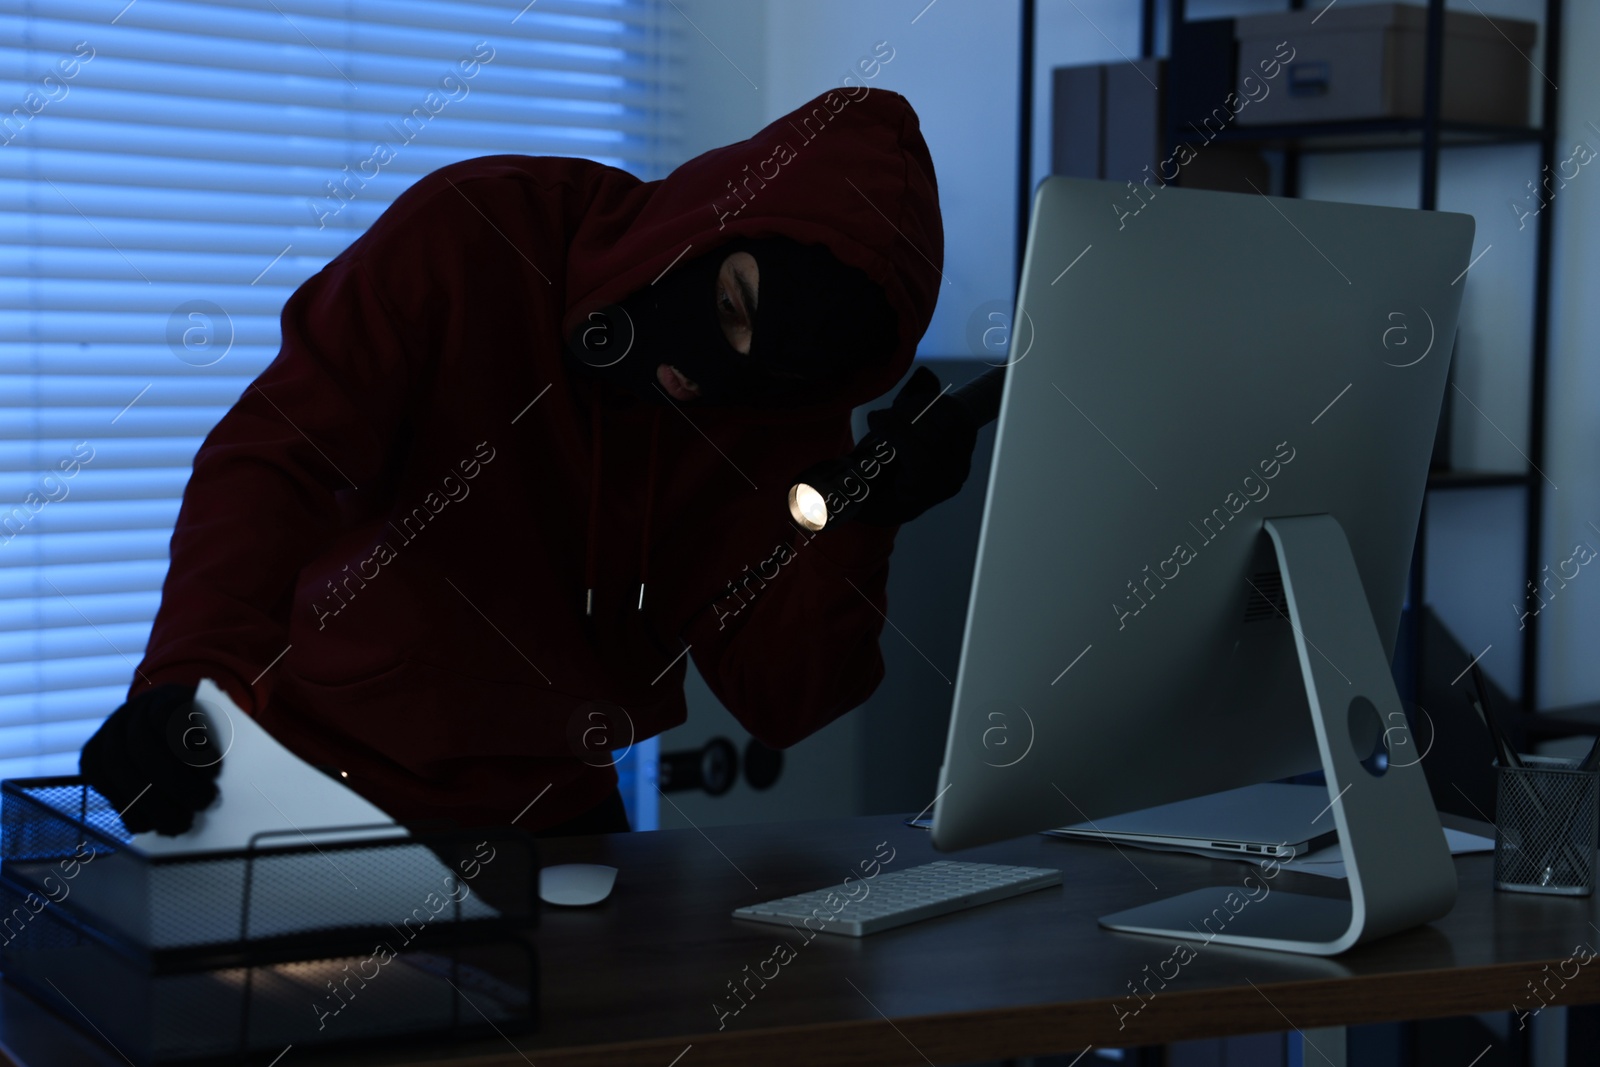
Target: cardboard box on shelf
{"points": [[1369, 62]]}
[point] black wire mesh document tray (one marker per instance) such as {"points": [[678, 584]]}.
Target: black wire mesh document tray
{"points": [[313, 936], [295, 912], [284, 849]]}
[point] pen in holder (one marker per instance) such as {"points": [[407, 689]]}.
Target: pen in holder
{"points": [[1547, 822]]}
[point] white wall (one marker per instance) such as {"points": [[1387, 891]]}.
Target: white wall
{"points": [[1570, 671], [724, 51]]}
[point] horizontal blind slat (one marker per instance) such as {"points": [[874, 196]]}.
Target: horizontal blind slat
{"points": [[420, 153], [48, 760], [95, 608], [139, 359], [87, 578], [30, 549], [88, 705], [57, 454], [78, 673], [401, 118], [94, 484], [113, 391], [74, 642]]}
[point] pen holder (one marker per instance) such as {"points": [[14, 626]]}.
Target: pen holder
{"points": [[1547, 821]]}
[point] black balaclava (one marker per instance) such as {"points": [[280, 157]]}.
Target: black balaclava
{"points": [[816, 320]]}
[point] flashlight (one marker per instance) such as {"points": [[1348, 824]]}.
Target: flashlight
{"points": [[833, 480]]}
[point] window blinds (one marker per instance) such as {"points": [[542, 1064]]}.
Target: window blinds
{"points": [[170, 171]]}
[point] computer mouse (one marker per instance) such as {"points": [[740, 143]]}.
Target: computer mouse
{"points": [[575, 885]]}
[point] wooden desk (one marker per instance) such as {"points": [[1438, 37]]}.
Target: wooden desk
{"points": [[633, 982]]}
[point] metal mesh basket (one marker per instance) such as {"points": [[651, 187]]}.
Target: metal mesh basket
{"points": [[64, 841], [215, 954], [1547, 821], [151, 1013]]}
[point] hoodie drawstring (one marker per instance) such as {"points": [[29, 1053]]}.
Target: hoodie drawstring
{"points": [[591, 568], [649, 506], [591, 564]]}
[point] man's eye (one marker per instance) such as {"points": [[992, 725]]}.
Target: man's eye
{"points": [[726, 303]]}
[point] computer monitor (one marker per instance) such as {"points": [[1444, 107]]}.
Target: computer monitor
{"points": [[1209, 467]]}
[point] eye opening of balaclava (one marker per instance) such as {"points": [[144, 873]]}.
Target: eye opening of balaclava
{"points": [[816, 322]]}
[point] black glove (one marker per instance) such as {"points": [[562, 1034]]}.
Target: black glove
{"points": [[932, 436], [156, 759]]}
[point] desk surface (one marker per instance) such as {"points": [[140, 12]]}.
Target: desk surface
{"points": [[634, 981]]}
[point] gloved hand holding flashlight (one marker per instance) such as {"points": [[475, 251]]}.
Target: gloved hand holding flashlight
{"points": [[918, 453]]}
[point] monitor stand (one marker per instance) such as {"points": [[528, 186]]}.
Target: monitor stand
{"points": [[1399, 866]]}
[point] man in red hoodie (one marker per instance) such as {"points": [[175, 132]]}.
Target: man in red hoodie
{"points": [[526, 448]]}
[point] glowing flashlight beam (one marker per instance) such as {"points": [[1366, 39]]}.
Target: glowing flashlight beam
{"points": [[807, 507]]}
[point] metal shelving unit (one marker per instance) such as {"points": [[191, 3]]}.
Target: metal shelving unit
{"points": [[1431, 136]]}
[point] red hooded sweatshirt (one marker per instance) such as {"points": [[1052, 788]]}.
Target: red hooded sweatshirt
{"points": [[387, 548]]}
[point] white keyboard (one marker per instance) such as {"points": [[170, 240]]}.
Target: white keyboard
{"points": [[901, 897]]}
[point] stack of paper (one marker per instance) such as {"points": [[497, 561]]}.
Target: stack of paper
{"points": [[265, 787]]}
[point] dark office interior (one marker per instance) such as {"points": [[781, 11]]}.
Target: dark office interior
{"points": [[579, 532]]}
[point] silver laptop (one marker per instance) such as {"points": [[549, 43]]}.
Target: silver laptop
{"points": [[1271, 819]]}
